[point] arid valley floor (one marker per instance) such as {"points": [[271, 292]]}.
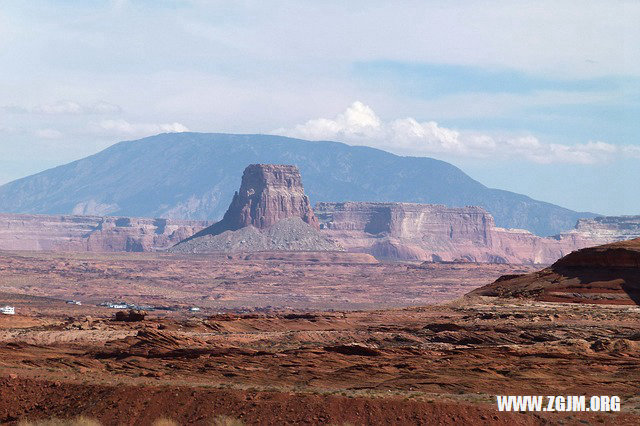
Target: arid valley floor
{"points": [[308, 340]]}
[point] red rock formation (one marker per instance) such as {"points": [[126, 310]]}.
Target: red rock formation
{"points": [[405, 231], [607, 274], [133, 315], [624, 254], [268, 194], [92, 233]]}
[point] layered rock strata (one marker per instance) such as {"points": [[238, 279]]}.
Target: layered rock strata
{"points": [[607, 274], [92, 233], [425, 232]]}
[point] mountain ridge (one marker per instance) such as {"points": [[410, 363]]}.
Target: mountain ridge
{"points": [[193, 176]]}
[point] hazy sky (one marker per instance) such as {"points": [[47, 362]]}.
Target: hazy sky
{"points": [[539, 97]]}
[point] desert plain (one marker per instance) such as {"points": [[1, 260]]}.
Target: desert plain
{"points": [[305, 339]]}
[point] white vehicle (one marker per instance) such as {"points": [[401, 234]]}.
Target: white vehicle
{"points": [[8, 310], [118, 306]]}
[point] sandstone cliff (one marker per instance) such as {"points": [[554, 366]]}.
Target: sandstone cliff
{"points": [[269, 212], [404, 231], [92, 233], [607, 274], [407, 231]]}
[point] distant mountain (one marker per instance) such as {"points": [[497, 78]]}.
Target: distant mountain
{"points": [[194, 175]]}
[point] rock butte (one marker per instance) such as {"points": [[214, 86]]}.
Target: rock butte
{"points": [[269, 212], [606, 274], [268, 194], [426, 232]]}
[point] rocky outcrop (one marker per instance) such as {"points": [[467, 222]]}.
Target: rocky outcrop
{"points": [[424, 232], [133, 315], [268, 194], [92, 233], [607, 274], [270, 212], [437, 224], [620, 255]]}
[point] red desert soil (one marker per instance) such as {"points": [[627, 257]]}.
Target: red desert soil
{"points": [[439, 364], [138, 405], [607, 274]]}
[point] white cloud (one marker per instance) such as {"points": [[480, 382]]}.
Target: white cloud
{"points": [[48, 134], [632, 151], [123, 127], [359, 125], [358, 121]]}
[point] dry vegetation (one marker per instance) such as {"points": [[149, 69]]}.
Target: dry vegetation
{"points": [[77, 421]]}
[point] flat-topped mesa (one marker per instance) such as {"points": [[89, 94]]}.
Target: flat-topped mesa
{"points": [[410, 220], [268, 194], [408, 231]]}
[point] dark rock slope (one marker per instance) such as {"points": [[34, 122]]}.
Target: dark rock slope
{"points": [[286, 235]]}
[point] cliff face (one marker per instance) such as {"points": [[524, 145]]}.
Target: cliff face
{"points": [[436, 224], [607, 274], [406, 231], [92, 233]]}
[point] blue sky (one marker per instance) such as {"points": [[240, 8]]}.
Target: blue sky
{"points": [[537, 97]]}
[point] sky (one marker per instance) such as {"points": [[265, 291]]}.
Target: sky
{"points": [[537, 97]]}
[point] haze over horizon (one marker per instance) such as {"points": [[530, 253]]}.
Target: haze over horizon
{"points": [[540, 98]]}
